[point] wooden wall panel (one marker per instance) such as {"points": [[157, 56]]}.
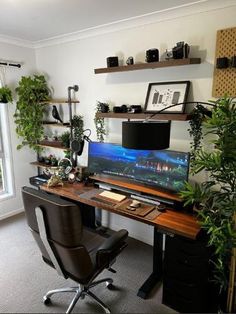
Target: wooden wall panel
{"points": [[224, 81]]}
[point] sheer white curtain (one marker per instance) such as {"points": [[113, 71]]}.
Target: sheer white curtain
{"points": [[6, 175]]}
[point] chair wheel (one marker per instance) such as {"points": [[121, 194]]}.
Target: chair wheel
{"points": [[110, 286], [46, 301]]}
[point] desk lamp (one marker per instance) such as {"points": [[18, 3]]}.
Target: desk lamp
{"points": [[150, 135]]}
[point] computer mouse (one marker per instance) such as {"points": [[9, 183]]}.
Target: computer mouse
{"points": [[135, 204]]}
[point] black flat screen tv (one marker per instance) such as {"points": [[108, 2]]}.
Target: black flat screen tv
{"points": [[165, 169]]}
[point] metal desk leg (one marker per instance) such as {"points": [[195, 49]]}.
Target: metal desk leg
{"points": [[98, 222], [156, 274]]}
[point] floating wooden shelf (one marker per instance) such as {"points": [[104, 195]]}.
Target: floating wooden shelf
{"points": [[62, 125], [151, 65], [59, 101], [132, 116], [41, 164], [52, 145]]}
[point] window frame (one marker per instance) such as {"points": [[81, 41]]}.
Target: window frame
{"points": [[5, 154]]}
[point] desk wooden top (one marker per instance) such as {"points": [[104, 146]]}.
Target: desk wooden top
{"points": [[169, 221]]}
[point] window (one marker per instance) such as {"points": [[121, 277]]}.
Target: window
{"points": [[6, 182]]}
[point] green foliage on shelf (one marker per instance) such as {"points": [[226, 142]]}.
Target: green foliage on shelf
{"points": [[32, 93], [65, 138], [100, 124], [77, 127], [5, 94], [216, 197]]}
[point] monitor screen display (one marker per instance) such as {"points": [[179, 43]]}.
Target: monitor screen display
{"points": [[165, 169]]}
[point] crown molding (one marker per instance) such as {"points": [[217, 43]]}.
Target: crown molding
{"points": [[189, 9], [16, 41], [154, 17]]}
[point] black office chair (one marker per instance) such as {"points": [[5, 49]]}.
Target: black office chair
{"points": [[74, 252]]}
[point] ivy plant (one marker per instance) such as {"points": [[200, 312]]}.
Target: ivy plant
{"points": [[32, 92], [216, 198], [100, 123]]}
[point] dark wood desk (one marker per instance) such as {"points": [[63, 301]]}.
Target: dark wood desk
{"points": [[170, 222]]}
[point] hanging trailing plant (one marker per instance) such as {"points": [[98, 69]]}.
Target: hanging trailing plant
{"points": [[100, 122], [216, 197], [5, 94], [198, 115], [32, 93]]}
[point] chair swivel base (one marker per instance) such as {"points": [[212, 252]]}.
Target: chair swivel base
{"points": [[80, 292]]}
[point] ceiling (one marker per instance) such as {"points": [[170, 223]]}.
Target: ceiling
{"points": [[36, 20]]}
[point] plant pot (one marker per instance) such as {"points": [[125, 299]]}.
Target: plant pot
{"points": [[4, 100]]}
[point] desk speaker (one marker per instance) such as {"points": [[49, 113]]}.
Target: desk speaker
{"points": [[112, 62]]}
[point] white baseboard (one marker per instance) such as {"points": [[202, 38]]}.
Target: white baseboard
{"points": [[12, 213]]}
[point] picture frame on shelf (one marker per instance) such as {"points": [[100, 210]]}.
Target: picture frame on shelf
{"points": [[164, 94]]}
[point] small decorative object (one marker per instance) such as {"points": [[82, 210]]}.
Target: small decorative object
{"points": [[65, 165], [54, 161], [168, 54], [55, 114], [71, 177], [119, 109], [112, 62], [104, 107], [55, 180], [5, 95], [130, 61], [135, 109], [181, 50], [152, 55], [165, 94], [222, 63]]}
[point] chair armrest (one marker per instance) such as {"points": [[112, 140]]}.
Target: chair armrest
{"points": [[111, 248]]}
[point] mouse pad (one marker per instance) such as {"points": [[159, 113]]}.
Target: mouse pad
{"points": [[141, 211]]}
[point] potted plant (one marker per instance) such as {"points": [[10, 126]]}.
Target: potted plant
{"points": [[32, 92], [77, 124], [100, 122], [5, 94], [216, 197], [65, 138]]}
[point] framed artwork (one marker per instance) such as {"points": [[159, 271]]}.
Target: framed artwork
{"points": [[165, 94]]}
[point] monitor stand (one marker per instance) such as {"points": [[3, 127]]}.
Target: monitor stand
{"points": [[136, 190]]}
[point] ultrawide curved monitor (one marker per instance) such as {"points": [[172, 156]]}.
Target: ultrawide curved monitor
{"points": [[166, 169]]}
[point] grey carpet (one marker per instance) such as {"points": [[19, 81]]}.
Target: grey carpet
{"points": [[24, 277]]}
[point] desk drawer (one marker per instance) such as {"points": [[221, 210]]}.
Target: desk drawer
{"points": [[183, 304], [179, 245], [185, 297]]}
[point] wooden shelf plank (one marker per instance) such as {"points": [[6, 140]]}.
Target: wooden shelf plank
{"points": [[160, 116], [57, 147], [60, 101], [41, 165], [50, 123], [151, 65]]}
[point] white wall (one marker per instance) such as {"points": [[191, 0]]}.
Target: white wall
{"points": [[20, 159], [74, 62]]}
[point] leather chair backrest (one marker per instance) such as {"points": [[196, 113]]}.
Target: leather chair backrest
{"points": [[64, 231]]}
